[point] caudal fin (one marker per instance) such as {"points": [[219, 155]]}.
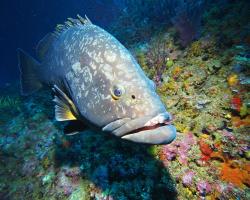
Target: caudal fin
{"points": [[28, 73]]}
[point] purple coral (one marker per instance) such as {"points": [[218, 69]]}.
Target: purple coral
{"points": [[187, 20], [179, 148], [229, 135], [63, 183], [203, 187], [169, 152], [68, 179], [72, 172], [187, 179]]}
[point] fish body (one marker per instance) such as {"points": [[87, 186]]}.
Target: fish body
{"points": [[97, 81]]}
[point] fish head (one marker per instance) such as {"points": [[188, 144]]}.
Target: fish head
{"points": [[111, 91], [135, 111]]}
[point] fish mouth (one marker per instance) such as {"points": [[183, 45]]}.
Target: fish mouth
{"points": [[148, 129], [145, 128]]}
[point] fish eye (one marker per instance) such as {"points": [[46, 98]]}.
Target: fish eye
{"points": [[117, 92], [133, 96]]}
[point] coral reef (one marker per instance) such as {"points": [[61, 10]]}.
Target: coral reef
{"points": [[207, 90], [140, 19], [229, 28], [39, 162]]}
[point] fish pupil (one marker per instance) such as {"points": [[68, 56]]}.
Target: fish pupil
{"points": [[117, 92], [133, 96]]}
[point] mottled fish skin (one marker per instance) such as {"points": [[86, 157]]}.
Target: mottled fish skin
{"points": [[92, 62]]}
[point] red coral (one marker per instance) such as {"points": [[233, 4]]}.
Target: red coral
{"points": [[237, 176], [237, 121], [236, 103], [205, 150], [233, 171]]}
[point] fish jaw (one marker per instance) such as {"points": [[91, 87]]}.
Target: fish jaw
{"points": [[147, 129]]}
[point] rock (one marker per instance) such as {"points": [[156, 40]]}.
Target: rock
{"points": [[205, 57]]}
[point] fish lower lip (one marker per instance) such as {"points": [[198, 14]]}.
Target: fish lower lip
{"points": [[160, 135]]}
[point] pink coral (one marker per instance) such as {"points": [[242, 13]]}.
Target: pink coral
{"points": [[228, 134], [178, 148], [64, 184], [187, 179], [73, 171], [203, 187], [68, 179]]}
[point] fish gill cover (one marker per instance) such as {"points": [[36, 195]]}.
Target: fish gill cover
{"points": [[197, 53]]}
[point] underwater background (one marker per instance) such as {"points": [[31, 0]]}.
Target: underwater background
{"points": [[197, 53]]}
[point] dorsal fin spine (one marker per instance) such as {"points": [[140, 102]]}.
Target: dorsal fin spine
{"points": [[70, 23]]}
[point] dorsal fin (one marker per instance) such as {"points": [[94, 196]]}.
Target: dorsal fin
{"points": [[70, 23], [44, 45]]}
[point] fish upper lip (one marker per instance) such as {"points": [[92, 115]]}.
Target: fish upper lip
{"points": [[131, 126], [160, 120], [160, 135], [144, 128], [163, 118]]}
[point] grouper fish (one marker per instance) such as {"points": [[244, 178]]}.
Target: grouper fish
{"points": [[98, 82]]}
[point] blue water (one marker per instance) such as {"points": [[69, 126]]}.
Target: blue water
{"points": [[25, 23]]}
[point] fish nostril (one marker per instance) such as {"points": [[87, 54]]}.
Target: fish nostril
{"points": [[133, 96]]}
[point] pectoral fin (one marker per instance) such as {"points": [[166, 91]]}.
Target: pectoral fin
{"points": [[74, 127], [64, 109]]}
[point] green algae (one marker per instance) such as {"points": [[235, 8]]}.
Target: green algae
{"points": [[47, 179], [81, 193]]}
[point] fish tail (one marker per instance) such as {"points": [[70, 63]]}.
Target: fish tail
{"points": [[28, 73]]}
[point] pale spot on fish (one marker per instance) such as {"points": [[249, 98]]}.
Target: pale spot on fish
{"points": [[94, 43], [120, 73], [121, 66], [110, 56], [76, 67], [79, 95], [82, 86], [128, 75], [133, 115], [87, 74], [93, 65], [86, 93], [107, 68], [69, 75], [109, 75]]}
